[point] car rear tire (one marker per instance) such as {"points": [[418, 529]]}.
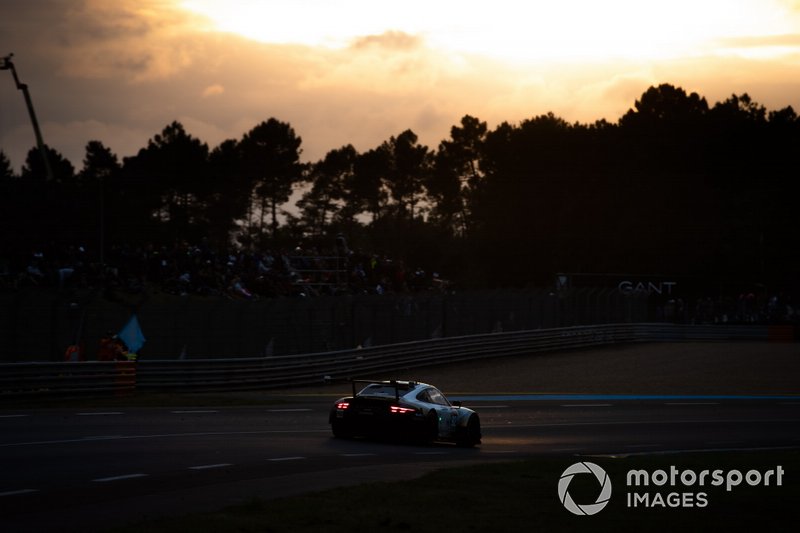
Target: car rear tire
{"points": [[339, 431]]}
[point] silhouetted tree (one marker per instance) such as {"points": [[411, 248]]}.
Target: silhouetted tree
{"points": [[330, 178], [97, 192], [6, 172], [99, 164], [168, 177], [34, 168], [228, 197], [456, 174], [366, 187], [271, 160], [408, 164], [674, 187]]}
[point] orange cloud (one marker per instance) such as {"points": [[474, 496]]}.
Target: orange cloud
{"points": [[213, 90], [394, 40]]}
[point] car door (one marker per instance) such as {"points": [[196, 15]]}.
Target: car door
{"points": [[448, 415]]}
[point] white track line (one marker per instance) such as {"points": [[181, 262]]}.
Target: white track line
{"points": [[499, 452], [13, 416], [638, 423], [431, 453], [691, 403], [279, 459], [118, 478], [172, 435], [195, 412], [17, 492], [209, 467], [109, 413], [288, 410], [587, 405], [357, 454]]}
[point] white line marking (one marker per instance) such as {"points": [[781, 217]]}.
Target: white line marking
{"points": [[118, 478], [491, 407], [431, 453], [641, 423], [13, 416], [103, 437], [725, 443], [278, 459], [17, 492], [696, 450], [587, 405], [500, 451], [174, 435], [192, 412], [110, 413], [691, 403], [208, 467], [357, 454], [288, 410]]}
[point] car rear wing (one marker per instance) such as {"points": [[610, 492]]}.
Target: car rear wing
{"points": [[390, 383]]}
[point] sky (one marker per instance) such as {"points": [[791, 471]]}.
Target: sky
{"points": [[358, 72]]}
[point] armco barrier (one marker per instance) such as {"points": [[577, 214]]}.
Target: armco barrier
{"points": [[282, 371], [62, 379]]}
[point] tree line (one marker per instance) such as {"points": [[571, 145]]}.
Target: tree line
{"points": [[675, 187]]}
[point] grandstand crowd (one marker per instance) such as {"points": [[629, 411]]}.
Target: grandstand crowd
{"points": [[197, 269]]}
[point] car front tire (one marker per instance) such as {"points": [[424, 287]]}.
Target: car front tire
{"points": [[471, 434]]}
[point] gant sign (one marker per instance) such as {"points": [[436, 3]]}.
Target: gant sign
{"points": [[649, 287]]}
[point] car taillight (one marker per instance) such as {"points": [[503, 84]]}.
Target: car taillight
{"points": [[342, 405], [401, 410]]}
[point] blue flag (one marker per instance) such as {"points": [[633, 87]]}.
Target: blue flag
{"points": [[132, 335]]}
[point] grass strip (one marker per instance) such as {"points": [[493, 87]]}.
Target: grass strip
{"points": [[523, 496]]}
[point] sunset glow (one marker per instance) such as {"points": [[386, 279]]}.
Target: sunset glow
{"points": [[570, 30], [357, 72]]}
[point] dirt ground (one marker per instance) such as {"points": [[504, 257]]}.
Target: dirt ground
{"points": [[659, 368]]}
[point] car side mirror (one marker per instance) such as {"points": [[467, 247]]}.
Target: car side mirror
{"points": [[456, 404]]}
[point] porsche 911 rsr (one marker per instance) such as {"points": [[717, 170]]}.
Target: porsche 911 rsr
{"points": [[404, 410]]}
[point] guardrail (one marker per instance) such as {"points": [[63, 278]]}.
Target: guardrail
{"points": [[21, 380], [284, 371]]}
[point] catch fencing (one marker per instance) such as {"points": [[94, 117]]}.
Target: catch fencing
{"points": [[226, 374], [39, 325]]}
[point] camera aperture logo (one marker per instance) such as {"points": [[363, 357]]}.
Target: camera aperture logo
{"points": [[663, 488], [590, 508]]}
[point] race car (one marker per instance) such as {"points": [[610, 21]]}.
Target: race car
{"points": [[405, 410]]}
